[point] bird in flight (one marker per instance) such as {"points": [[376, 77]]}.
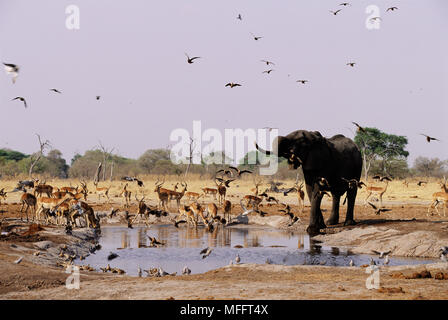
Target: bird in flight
{"points": [[351, 64], [206, 252], [268, 71], [391, 9], [381, 254], [360, 129], [428, 138], [345, 4], [240, 172], [378, 210], [268, 62], [98, 97], [335, 12], [255, 37], [239, 17], [55, 90], [21, 99], [302, 81], [231, 85], [190, 60], [13, 70], [375, 18]]}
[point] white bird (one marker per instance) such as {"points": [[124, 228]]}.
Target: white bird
{"points": [[443, 258], [162, 272], [444, 250], [237, 259], [268, 261], [246, 211], [13, 70], [351, 263], [186, 270], [231, 262], [372, 262], [18, 260], [386, 260], [382, 253]]}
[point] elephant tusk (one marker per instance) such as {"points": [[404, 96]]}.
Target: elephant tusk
{"points": [[262, 150]]}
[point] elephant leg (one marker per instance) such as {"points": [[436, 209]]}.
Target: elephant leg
{"points": [[351, 197], [316, 218], [334, 217]]}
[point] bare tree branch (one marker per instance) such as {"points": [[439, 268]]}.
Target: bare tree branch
{"points": [[36, 157]]}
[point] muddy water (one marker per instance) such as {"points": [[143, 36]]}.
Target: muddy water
{"points": [[252, 243]]}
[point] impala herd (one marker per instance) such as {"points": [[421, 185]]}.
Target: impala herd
{"points": [[69, 204]]}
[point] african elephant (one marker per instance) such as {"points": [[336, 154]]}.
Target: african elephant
{"points": [[332, 159]]}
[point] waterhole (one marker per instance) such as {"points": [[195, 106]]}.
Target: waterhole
{"points": [[253, 244]]}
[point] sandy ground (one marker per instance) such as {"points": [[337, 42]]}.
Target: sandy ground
{"points": [[406, 230]]}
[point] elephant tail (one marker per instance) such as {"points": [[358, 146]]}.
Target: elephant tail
{"points": [[262, 150]]}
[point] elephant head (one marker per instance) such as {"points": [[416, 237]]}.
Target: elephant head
{"points": [[295, 146]]}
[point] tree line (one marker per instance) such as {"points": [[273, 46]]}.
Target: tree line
{"points": [[382, 153]]}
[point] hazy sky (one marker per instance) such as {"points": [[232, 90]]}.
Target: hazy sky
{"points": [[132, 54]]}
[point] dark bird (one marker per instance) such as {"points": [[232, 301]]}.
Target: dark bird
{"points": [[139, 182], [351, 64], [55, 90], [255, 37], [239, 17], [226, 172], [98, 97], [268, 71], [302, 81], [353, 183], [268, 62], [285, 192], [206, 252], [21, 99], [391, 9], [375, 18], [176, 223], [428, 138], [239, 172], [154, 241], [226, 182], [420, 183], [113, 212], [231, 85], [360, 129], [345, 4], [335, 12], [378, 210], [13, 70], [190, 60], [112, 256]]}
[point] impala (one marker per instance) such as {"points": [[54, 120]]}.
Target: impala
{"points": [[300, 196], [2, 195], [252, 200], [163, 196], [81, 208], [189, 214], [30, 201], [48, 205], [378, 191], [126, 194], [43, 188], [193, 196], [211, 191], [227, 208], [103, 191], [439, 197], [178, 195], [198, 211]]}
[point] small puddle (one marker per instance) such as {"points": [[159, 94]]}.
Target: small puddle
{"points": [[254, 244]]}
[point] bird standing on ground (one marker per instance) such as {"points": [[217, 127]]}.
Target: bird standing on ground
{"points": [[18, 260], [13, 70], [237, 259], [21, 99], [139, 272], [386, 260], [351, 263], [186, 270]]}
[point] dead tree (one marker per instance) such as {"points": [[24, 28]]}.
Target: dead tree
{"points": [[190, 158], [96, 178], [37, 156], [106, 155]]}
